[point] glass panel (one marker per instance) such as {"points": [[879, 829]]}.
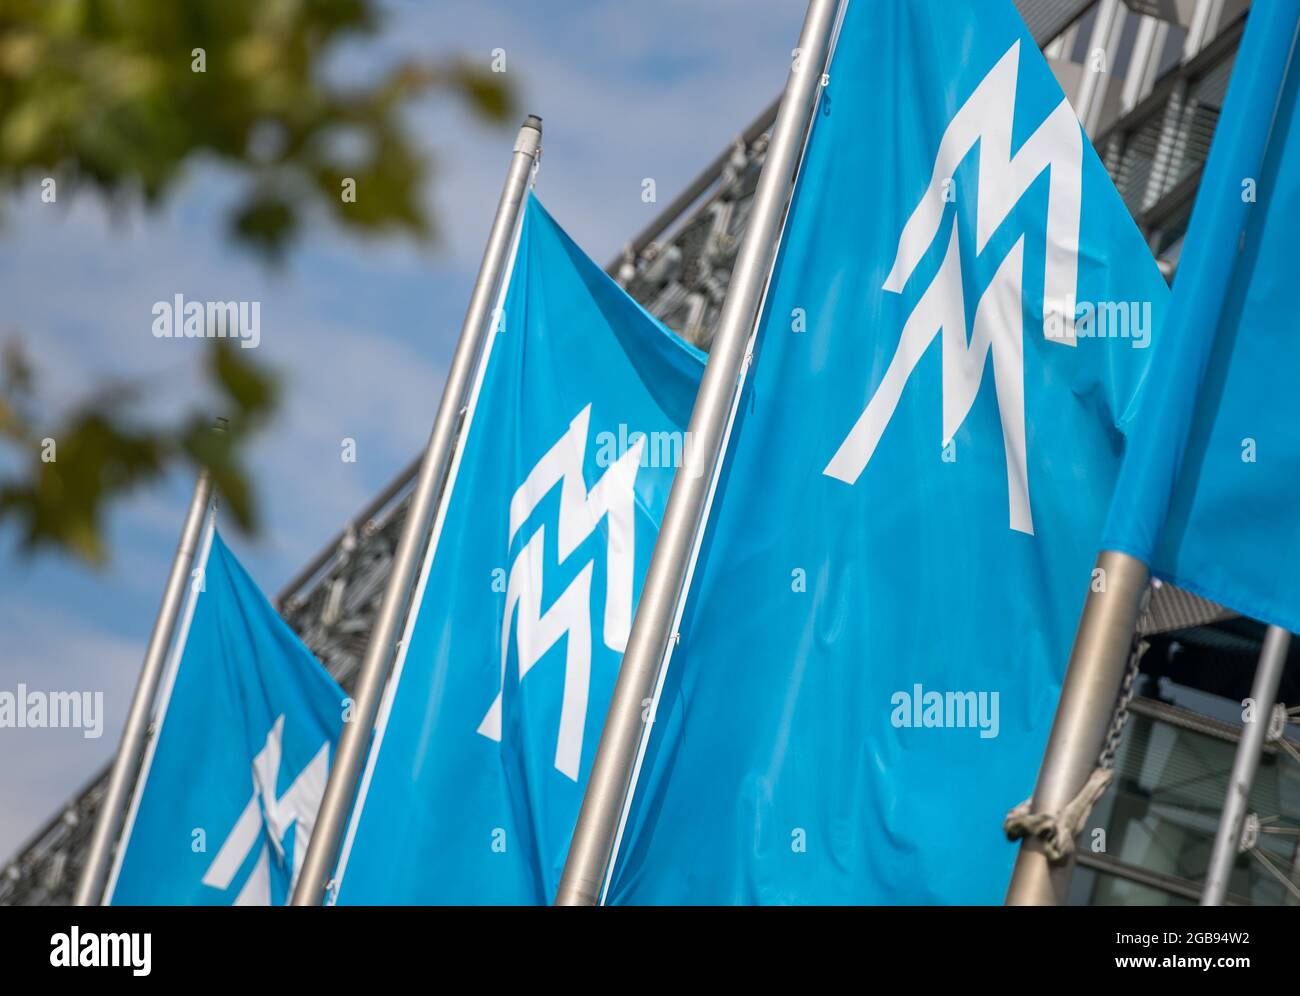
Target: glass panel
{"points": [[1090, 887], [1161, 812]]}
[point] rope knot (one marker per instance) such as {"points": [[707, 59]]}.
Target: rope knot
{"points": [[1056, 831]]}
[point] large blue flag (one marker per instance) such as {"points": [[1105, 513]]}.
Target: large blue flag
{"points": [[231, 783], [903, 530], [1207, 496], [525, 600]]}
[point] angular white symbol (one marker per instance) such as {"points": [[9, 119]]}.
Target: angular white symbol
{"points": [[536, 632], [986, 118], [295, 810]]}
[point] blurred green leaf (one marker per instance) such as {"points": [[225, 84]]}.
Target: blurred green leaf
{"points": [[118, 97], [252, 390], [71, 471], [61, 501], [106, 94], [485, 92], [266, 223]]}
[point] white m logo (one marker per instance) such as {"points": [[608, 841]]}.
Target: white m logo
{"points": [[986, 118], [536, 632], [278, 814]]}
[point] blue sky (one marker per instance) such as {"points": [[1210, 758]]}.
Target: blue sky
{"points": [[360, 331]]}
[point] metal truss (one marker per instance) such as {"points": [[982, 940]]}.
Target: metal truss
{"points": [[678, 268]]}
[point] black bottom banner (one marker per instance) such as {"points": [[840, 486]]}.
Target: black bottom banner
{"points": [[339, 946]]}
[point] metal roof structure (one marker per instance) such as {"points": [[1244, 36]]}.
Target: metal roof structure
{"points": [[1153, 138]]}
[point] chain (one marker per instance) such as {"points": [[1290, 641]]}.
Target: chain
{"points": [[1118, 721], [1138, 647]]}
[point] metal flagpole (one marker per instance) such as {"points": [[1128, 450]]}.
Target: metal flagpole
{"points": [[1088, 696], [611, 773], [1103, 639], [336, 806], [126, 765], [1227, 839]]}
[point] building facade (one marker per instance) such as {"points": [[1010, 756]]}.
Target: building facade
{"points": [[1147, 78]]}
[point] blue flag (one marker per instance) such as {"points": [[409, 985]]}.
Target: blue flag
{"points": [[248, 721], [1207, 496], [903, 529], [524, 604]]}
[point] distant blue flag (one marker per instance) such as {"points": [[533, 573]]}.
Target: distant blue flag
{"points": [[525, 600], [903, 530], [1207, 496], [232, 782]]}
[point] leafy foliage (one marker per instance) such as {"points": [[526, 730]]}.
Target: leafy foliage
{"points": [[70, 473], [119, 97], [120, 94]]}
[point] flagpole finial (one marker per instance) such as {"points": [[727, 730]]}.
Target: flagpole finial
{"points": [[319, 865], [126, 763], [591, 850]]}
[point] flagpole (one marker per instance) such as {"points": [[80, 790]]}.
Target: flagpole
{"points": [[126, 765], [1263, 693], [336, 805], [612, 771], [1093, 678], [1216, 231]]}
